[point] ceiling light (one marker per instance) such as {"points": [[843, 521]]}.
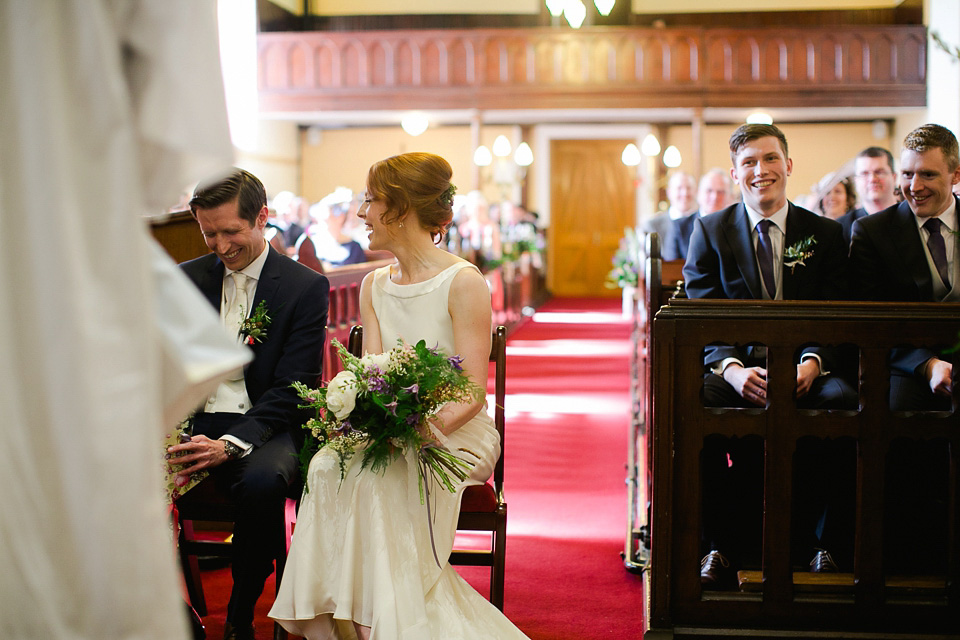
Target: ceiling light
{"points": [[671, 157], [501, 147], [759, 117], [414, 123], [650, 146], [604, 6], [482, 157], [575, 13], [523, 156], [631, 155]]}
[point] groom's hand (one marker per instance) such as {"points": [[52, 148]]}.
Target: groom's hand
{"points": [[199, 453]]}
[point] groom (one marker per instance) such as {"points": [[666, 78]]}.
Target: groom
{"points": [[248, 432]]}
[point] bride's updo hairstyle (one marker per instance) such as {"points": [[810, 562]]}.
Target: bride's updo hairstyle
{"points": [[418, 183]]}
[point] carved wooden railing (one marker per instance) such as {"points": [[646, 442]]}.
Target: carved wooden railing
{"points": [[599, 67]]}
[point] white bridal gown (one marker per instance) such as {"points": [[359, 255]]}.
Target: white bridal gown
{"points": [[361, 549]]}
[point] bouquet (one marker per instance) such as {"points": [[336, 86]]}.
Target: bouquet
{"points": [[383, 403]]}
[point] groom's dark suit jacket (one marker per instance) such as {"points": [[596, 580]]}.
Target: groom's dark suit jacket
{"points": [[296, 300], [889, 264], [721, 263]]}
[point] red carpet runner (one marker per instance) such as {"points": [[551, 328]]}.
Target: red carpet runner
{"points": [[568, 413]]}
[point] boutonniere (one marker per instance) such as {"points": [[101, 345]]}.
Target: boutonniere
{"points": [[796, 253], [254, 328]]}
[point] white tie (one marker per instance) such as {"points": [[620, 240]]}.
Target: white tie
{"points": [[239, 310]]}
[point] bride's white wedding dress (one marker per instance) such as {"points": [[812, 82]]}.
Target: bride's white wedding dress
{"points": [[362, 549]]}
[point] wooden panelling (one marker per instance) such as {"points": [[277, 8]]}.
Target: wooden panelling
{"points": [[600, 67]]}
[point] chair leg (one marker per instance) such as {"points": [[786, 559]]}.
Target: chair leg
{"points": [[191, 571], [499, 564]]}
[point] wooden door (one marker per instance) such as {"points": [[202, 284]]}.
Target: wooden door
{"points": [[592, 199]]}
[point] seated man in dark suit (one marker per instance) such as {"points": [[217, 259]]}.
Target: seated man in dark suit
{"points": [[909, 252], [714, 192], [249, 431], [875, 180], [764, 248]]}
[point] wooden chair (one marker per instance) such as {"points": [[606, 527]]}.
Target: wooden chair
{"points": [[207, 503], [306, 253], [483, 507]]}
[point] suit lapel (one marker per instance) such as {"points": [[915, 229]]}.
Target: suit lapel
{"points": [[908, 244], [212, 284], [269, 282], [736, 230], [797, 230]]}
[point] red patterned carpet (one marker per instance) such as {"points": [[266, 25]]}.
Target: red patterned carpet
{"points": [[567, 430]]}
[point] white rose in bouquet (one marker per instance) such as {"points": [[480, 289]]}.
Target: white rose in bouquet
{"points": [[382, 361], [342, 394]]}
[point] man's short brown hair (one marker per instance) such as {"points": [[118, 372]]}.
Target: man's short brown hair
{"points": [[236, 184], [934, 136], [749, 132]]}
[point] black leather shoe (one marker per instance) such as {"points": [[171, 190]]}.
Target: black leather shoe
{"points": [[714, 571], [231, 632], [823, 563]]}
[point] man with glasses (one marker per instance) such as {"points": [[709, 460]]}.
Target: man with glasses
{"points": [[875, 180]]}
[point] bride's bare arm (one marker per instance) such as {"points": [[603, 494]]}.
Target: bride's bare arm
{"points": [[371, 327], [469, 307]]}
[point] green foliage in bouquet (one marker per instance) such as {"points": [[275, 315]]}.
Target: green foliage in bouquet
{"points": [[627, 262], [381, 403]]}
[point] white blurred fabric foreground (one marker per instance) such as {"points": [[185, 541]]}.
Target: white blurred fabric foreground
{"points": [[110, 108]]}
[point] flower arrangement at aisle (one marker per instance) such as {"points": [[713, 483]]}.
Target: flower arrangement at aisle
{"points": [[383, 403], [627, 262]]}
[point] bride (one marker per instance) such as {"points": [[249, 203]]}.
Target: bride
{"points": [[361, 563]]}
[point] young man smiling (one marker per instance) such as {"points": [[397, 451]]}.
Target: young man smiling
{"points": [[739, 253], [909, 252]]}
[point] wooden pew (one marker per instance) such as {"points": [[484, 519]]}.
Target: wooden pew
{"points": [[660, 281], [778, 602]]}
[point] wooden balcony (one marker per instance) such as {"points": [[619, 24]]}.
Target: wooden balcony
{"points": [[614, 67]]}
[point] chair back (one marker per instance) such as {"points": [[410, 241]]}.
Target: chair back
{"points": [[306, 253]]}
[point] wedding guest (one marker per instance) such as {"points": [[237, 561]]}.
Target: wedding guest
{"points": [[839, 199], [767, 248], [715, 192], [909, 252], [876, 182], [681, 194], [248, 432], [363, 557]]}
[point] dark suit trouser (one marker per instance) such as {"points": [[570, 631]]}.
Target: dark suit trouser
{"points": [[732, 474], [259, 484]]}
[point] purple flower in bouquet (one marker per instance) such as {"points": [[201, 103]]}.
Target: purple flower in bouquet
{"points": [[383, 404]]}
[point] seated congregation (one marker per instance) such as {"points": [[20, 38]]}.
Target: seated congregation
{"points": [[817, 436]]}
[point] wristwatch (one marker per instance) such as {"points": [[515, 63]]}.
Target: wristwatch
{"points": [[232, 450]]}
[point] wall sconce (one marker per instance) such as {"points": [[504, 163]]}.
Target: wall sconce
{"points": [[671, 157], [631, 155], [650, 146], [482, 156], [506, 174], [604, 6], [414, 123], [555, 7], [575, 13], [523, 156]]}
